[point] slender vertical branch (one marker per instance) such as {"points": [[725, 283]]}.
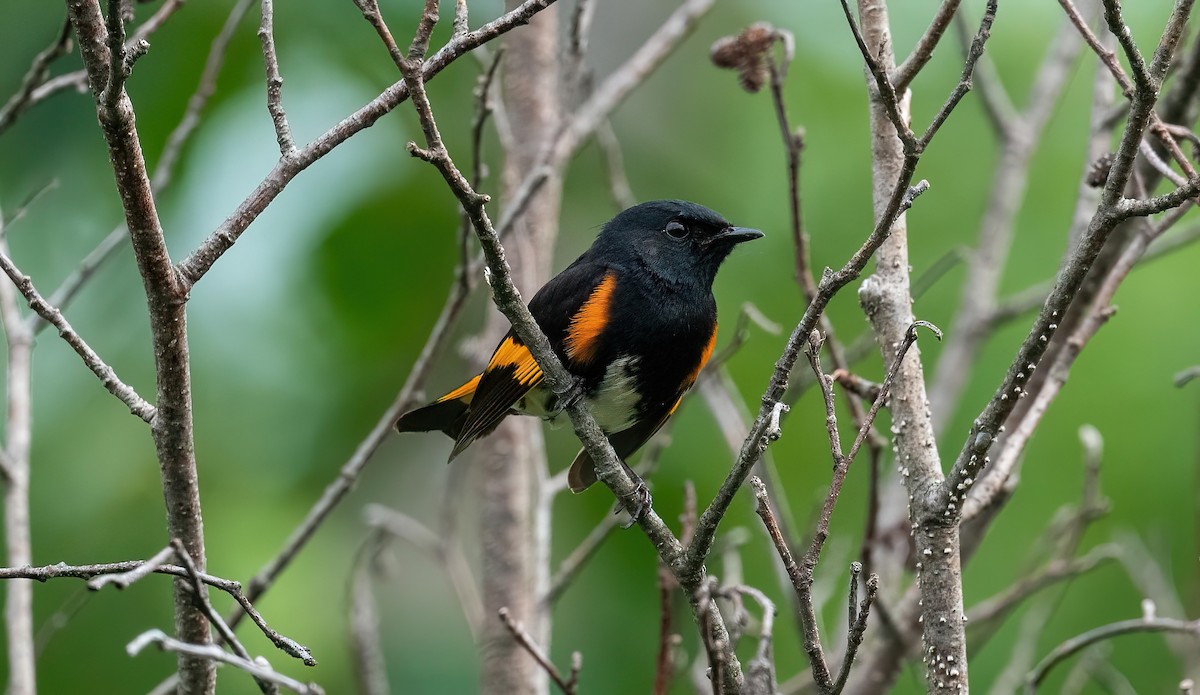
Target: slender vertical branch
{"points": [[18, 542], [886, 299], [266, 35], [166, 300]]}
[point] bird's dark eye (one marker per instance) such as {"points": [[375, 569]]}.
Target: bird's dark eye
{"points": [[676, 229]]}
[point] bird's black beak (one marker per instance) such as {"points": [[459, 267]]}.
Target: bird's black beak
{"points": [[736, 235]]}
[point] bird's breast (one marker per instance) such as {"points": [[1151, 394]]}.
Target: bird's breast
{"points": [[613, 399]]}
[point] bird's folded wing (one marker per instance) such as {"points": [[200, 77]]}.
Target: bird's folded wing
{"points": [[510, 374]]}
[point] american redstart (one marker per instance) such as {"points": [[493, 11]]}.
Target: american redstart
{"points": [[633, 319]]}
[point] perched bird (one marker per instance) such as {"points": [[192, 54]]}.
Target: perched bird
{"points": [[633, 319]]}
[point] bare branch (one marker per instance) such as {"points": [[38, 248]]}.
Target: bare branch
{"points": [[883, 87], [15, 467], [171, 425], [756, 441], [194, 267], [449, 557], [123, 579], [127, 395], [760, 670], [618, 181], [857, 629], [1113, 208], [132, 570], [210, 652], [802, 581], [574, 562], [987, 261], [1056, 571], [350, 471], [266, 35], [1075, 644], [35, 77], [115, 26], [370, 665], [904, 73], [163, 170], [569, 684], [974, 53], [1182, 378], [223, 629], [165, 167]]}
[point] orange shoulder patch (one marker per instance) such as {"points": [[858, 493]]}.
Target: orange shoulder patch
{"points": [[708, 350], [583, 333], [512, 353]]}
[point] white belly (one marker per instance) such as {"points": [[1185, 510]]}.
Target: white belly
{"points": [[614, 404]]}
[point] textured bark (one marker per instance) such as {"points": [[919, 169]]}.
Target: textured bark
{"points": [[886, 299], [514, 531], [18, 602], [166, 300]]}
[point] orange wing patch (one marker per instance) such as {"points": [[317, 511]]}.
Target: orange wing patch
{"points": [[464, 391], [583, 334], [511, 373], [511, 353], [708, 350]]}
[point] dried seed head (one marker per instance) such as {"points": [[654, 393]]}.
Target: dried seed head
{"points": [[747, 53]]}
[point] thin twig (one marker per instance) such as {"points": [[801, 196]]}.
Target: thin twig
{"points": [[350, 471], [857, 629], [266, 35], [1126, 627], [39, 69], [1144, 78], [123, 579], [363, 623], [453, 564], [1113, 209], [198, 263], [164, 170], [760, 669], [664, 664], [214, 653], [569, 684], [614, 161], [802, 581], [223, 629], [132, 570], [987, 260], [125, 393], [906, 71], [1056, 571], [573, 563]]}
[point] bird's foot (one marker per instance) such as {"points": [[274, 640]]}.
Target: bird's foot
{"points": [[568, 397], [642, 501]]}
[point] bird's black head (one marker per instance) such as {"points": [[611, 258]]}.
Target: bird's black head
{"points": [[681, 242]]}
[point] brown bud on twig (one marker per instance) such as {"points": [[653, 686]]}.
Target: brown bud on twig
{"points": [[1098, 174], [746, 53]]}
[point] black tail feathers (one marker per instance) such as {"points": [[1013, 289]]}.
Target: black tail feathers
{"points": [[446, 416]]}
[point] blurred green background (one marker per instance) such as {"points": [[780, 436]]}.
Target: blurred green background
{"points": [[302, 334]]}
